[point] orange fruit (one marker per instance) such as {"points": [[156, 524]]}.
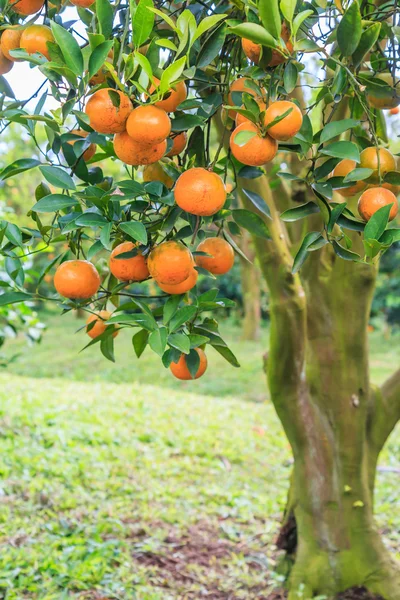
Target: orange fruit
{"points": [[200, 192], [257, 151], [170, 263], [76, 279], [375, 198], [10, 40], [103, 115], [289, 126], [155, 172], [221, 257], [176, 95], [132, 153], [181, 288], [27, 7], [178, 144], [128, 269], [5, 64], [277, 58], [239, 85], [34, 39], [83, 3], [251, 50], [148, 125], [386, 96], [341, 170], [90, 151], [395, 189], [369, 160], [180, 369], [100, 326], [392, 111]]}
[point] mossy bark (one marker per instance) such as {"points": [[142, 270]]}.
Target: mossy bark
{"points": [[336, 422], [251, 291]]}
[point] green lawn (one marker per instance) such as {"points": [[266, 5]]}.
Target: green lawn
{"points": [[114, 488]]}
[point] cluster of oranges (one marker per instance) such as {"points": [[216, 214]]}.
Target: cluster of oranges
{"points": [[33, 39], [140, 134], [374, 195], [253, 50], [170, 264], [255, 144]]}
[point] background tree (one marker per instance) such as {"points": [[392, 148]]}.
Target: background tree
{"points": [[306, 83]]}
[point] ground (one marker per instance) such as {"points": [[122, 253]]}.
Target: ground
{"points": [[132, 491]]}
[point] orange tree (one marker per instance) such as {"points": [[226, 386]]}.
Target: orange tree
{"points": [[282, 99]]}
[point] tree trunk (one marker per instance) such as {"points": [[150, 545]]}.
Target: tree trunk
{"points": [[335, 421], [251, 291]]}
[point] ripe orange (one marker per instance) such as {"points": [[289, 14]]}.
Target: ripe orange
{"points": [[155, 172], [180, 369], [100, 326], [200, 192], [10, 40], [34, 39], [181, 288], [277, 58], [148, 125], [170, 263], [76, 279], [5, 64], [251, 50], [256, 151], [103, 115], [387, 97], [221, 257], [369, 160], [176, 95], [392, 111], [132, 153], [341, 170], [289, 126], [90, 151], [27, 7], [83, 3], [178, 144], [375, 198], [128, 269], [395, 189]]}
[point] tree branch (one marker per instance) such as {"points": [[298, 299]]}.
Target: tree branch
{"points": [[385, 413]]}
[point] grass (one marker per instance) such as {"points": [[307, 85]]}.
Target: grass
{"points": [[114, 488]]}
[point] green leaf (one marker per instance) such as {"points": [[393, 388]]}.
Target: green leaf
{"points": [[58, 177], [270, 17], [53, 203], [227, 354], [392, 177], [390, 236], [13, 234], [377, 223], [243, 137], [255, 33], [212, 46], [170, 307], [172, 74], [206, 24], [99, 57], [13, 298], [180, 341], [139, 341], [105, 16], [142, 23], [90, 219], [135, 230], [69, 47], [302, 253], [182, 316], [139, 319], [165, 17], [344, 253], [252, 222], [299, 20], [258, 202], [342, 149], [299, 212], [358, 174], [349, 30], [287, 8], [158, 340], [5, 88], [368, 40], [336, 128], [335, 214], [290, 75], [107, 346], [193, 362], [18, 166], [197, 340]]}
